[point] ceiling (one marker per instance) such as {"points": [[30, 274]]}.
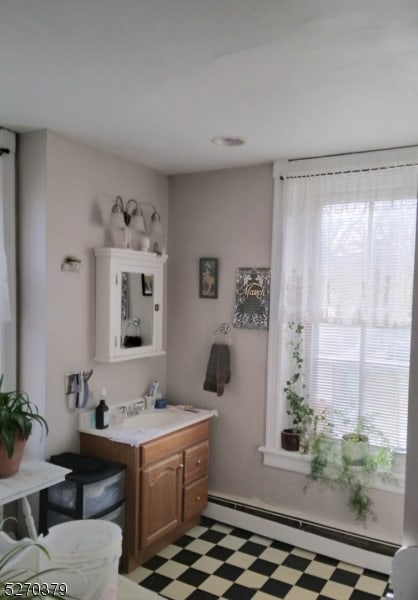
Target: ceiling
{"points": [[154, 80]]}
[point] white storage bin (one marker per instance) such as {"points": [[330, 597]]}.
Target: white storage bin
{"points": [[96, 496], [116, 516], [89, 550], [101, 495], [63, 494]]}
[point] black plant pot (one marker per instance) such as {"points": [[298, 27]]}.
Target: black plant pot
{"points": [[290, 440]]}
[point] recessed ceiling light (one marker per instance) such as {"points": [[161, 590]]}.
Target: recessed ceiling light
{"points": [[228, 140]]}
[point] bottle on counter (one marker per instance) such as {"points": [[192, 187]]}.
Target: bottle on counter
{"points": [[102, 411]]}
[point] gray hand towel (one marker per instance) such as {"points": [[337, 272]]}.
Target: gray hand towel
{"points": [[218, 371]]}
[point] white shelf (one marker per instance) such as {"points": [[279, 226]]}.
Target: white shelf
{"points": [[34, 475]]}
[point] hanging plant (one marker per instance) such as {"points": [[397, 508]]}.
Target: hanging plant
{"points": [[349, 464]]}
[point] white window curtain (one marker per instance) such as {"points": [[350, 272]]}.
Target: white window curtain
{"points": [[342, 265], [7, 258], [348, 247]]}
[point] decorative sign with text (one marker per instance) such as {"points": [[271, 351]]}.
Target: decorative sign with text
{"points": [[252, 298]]}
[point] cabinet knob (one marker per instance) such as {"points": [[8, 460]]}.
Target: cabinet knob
{"points": [[197, 498], [199, 461], [181, 466]]}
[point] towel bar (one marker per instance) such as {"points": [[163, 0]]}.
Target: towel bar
{"points": [[225, 330]]}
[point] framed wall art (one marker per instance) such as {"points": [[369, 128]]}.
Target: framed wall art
{"points": [[252, 298], [208, 277]]}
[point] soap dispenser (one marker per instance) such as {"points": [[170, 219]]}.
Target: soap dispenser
{"points": [[102, 411]]}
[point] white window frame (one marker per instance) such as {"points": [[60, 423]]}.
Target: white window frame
{"points": [[8, 351], [276, 416]]}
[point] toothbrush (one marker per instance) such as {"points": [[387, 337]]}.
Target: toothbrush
{"points": [[153, 389]]}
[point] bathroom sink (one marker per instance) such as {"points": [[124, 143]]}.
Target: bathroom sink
{"points": [[144, 426], [159, 418]]}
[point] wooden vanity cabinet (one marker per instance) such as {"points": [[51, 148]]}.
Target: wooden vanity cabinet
{"points": [[166, 487]]}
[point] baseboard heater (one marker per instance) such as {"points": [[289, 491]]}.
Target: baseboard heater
{"points": [[337, 535]]}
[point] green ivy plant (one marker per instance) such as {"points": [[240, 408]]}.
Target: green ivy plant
{"points": [[17, 415], [299, 411]]}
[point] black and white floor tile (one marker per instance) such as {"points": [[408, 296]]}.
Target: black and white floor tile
{"points": [[215, 560]]}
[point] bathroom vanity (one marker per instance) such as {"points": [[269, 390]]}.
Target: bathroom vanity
{"points": [[166, 482]]}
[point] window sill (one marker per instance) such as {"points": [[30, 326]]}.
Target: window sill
{"points": [[300, 463]]}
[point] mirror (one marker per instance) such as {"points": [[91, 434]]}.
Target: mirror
{"points": [[129, 299], [137, 308]]}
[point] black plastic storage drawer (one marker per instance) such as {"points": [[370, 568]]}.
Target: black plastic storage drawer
{"points": [[92, 489], [115, 516]]}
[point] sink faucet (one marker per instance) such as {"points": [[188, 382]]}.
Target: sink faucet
{"points": [[138, 407], [134, 409]]}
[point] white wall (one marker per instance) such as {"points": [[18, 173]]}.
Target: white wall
{"points": [[66, 193], [227, 214], [32, 238]]}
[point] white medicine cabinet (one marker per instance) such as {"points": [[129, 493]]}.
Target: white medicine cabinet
{"points": [[129, 304]]}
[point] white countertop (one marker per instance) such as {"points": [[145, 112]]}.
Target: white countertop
{"points": [[135, 437], [33, 475]]}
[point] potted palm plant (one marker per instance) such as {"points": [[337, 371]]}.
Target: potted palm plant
{"points": [[298, 409], [17, 416]]}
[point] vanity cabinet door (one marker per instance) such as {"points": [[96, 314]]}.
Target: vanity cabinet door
{"points": [[161, 499], [129, 304]]}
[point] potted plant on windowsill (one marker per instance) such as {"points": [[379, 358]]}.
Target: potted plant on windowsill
{"points": [[355, 448], [355, 443], [299, 411], [17, 416], [349, 464]]}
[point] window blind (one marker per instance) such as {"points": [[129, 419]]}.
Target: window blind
{"points": [[358, 350]]}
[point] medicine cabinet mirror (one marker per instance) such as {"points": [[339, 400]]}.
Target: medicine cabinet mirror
{"points": [[129, 304]]}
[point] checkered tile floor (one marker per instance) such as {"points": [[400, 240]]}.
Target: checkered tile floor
{"points": [[218, 561]]}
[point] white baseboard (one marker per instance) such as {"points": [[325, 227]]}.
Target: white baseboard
{"points": [[302, 539]]}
